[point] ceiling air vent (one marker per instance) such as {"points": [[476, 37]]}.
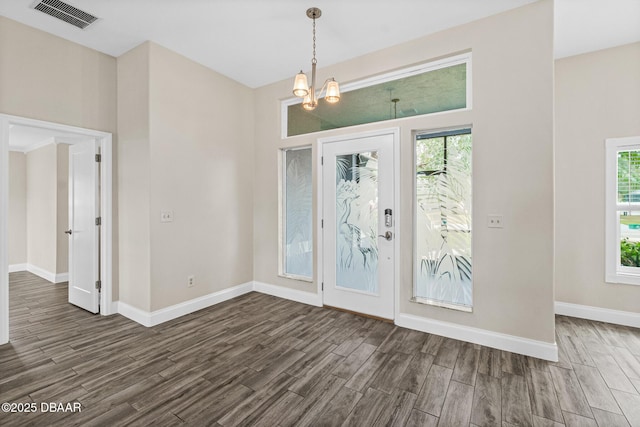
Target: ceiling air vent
{"points": [[65, 12]]}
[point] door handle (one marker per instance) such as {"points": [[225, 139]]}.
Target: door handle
{"points": [[68, 232], [387, 235]]}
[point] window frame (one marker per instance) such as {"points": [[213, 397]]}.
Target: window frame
{"points": [[282, 215], [614, 272], [464, 58], [434, 133]]}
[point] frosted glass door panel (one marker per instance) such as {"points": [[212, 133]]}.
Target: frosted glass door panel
{"points": [[357, 267], [357, 221]]}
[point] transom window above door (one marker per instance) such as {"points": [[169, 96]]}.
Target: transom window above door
{"points": [[437, 86]]}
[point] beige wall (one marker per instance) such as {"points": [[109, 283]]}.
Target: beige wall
{"points": [[512, 120], [133, 178], [42, 207], [202, 170], [62, 208], [79, 88], [38, 198], [17, 244], [597, 97], [186, 146], [48, 78], [47, 207]]}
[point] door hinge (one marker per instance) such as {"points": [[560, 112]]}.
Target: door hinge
{"points": [[321, 160], [323, 286], [98, 158], [98, 284], [322, 223], [99, 220]]}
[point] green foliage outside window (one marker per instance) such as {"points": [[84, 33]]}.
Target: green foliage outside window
{"points": [[629, 253]]}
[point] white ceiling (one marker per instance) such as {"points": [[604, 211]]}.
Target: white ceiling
{"points": [[257, 42]]}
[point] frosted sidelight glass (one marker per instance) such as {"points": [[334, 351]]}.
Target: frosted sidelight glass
{"points": [[298, 227], [357, 221], [443, 260]]}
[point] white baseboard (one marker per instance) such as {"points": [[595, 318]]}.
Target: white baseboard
{"points": [[47, 275], [137, 315], [62, 277], [13, 268], [169, 313], [626, 318], [514, 344], [41, 272], [288, 293]]}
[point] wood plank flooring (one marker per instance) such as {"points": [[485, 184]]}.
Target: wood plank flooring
{"points": [[263, 361]]}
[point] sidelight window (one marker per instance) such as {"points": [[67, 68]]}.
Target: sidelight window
{"points": [[443, 259], [296, 251]]}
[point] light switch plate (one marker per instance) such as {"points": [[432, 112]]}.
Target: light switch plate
{"points": [[495, 221], [166, 216]]}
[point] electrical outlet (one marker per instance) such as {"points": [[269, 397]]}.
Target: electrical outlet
{"points": [[191, 281], [166, 216], [495, 221]]}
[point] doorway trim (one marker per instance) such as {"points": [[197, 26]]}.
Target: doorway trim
{"points": [[105, 140], [395, 132]]}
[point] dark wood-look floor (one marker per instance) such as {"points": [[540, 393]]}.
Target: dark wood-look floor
{"points": [[260, 360]]}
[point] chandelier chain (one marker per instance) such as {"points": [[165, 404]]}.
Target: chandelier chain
{"points": [[314, 61]]}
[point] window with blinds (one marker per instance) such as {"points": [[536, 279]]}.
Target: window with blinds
{"points": [[623, 210], [629, 176]]}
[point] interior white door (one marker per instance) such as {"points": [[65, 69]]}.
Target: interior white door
{"points": [[358, 244], [83, 231]]}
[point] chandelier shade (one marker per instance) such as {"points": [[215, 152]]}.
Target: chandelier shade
{"points": [[300, 85], [333, 92]]}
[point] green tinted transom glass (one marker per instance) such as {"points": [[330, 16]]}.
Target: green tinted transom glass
{"points": [[432, 91]]}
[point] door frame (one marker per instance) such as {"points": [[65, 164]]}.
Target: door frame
{"points": [[395, 132], [105, 140]]}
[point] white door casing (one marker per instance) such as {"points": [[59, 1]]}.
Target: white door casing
{"points": [[84, 257], [358, 183], [107, 306]]}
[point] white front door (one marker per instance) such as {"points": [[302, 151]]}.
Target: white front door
{"points": [[358, 234], [83, 231]]}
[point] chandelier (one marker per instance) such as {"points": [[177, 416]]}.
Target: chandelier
{"points": [[301, 87]]}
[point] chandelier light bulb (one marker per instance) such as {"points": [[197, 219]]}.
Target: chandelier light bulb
{"points": [[309, 104]]}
